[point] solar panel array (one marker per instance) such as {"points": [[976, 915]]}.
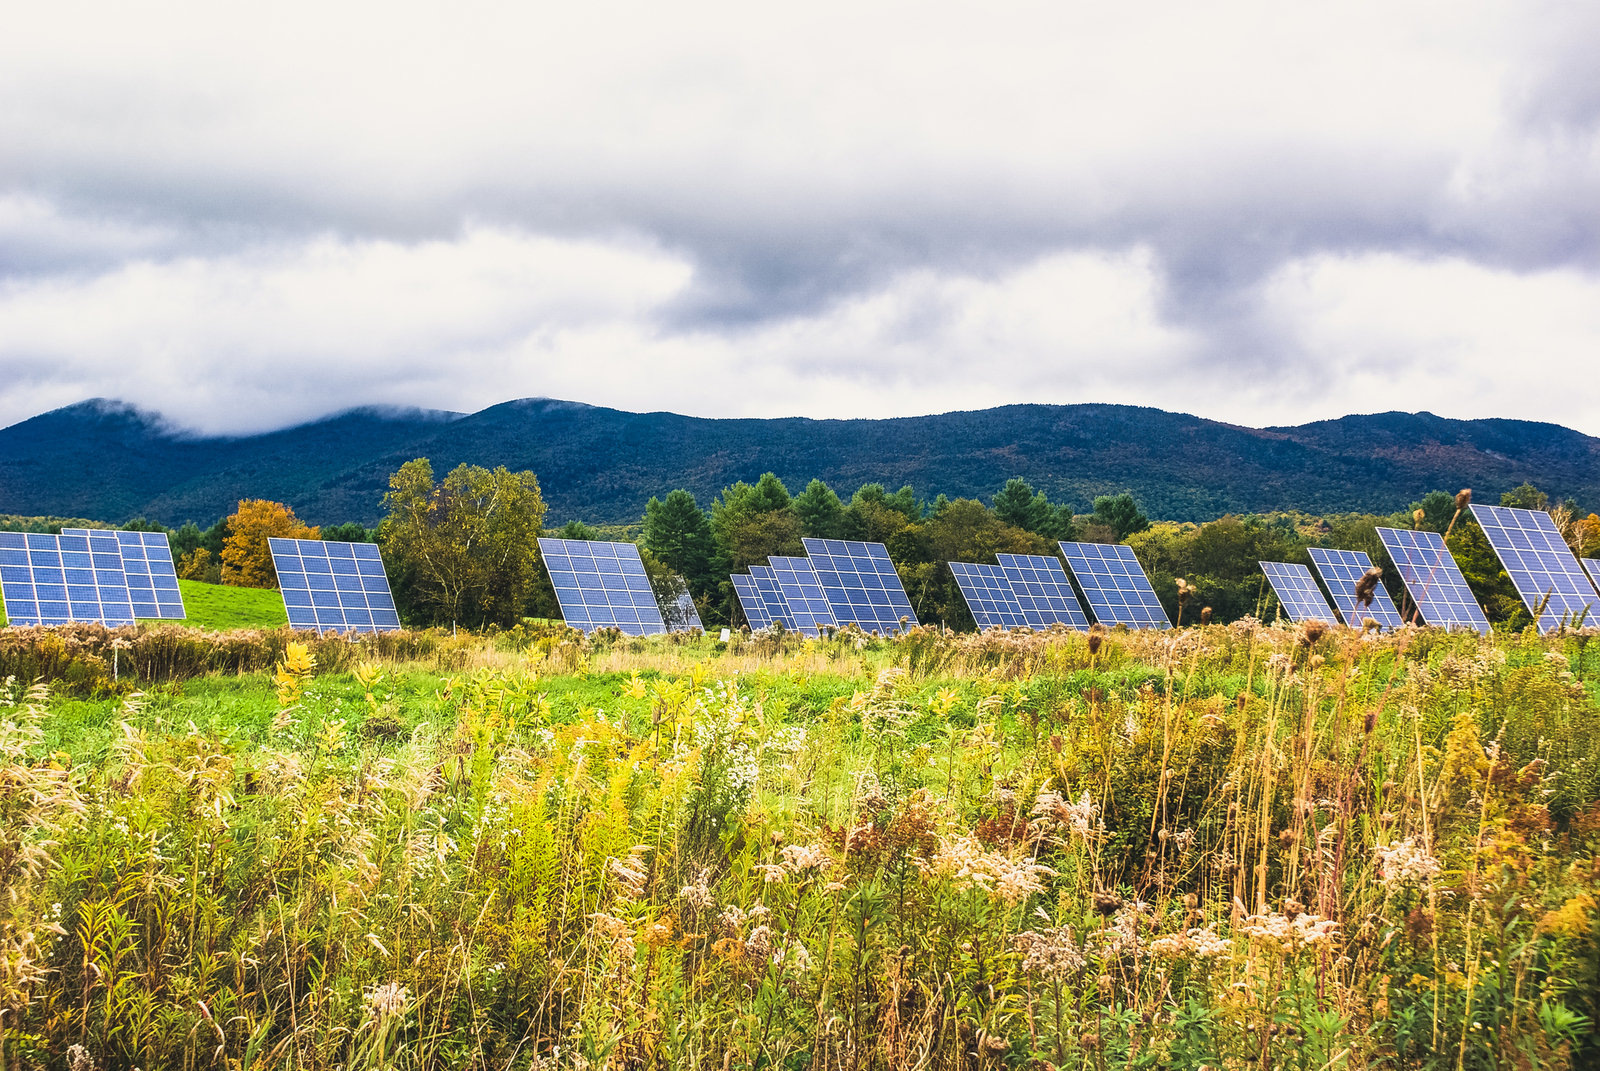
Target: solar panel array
{"points": [[861, 584], [602, 585], [802, 593], [1540, 564], [1042, 591], [989, 595], [1297, 591], [750, 600], [147, 565], [772, 595], [681, 615], [1433, 579], [333, 586], [1114, 583], [1593, 565], [1340, 570], [58, 579]]}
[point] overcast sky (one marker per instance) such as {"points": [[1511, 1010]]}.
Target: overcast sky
{"points": [[1265, 213]]}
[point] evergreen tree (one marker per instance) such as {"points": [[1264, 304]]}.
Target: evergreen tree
{"points": [[1121, 514], [821, 512], [678, 533]]}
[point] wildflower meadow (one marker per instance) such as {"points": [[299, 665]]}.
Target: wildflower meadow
{"points": [[1227, 846]]}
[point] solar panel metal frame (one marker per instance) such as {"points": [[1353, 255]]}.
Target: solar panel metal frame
{"points": [[1298, 592], [1115, 585], [149, 570], [751, 602], [333, 586], [1043, 591], [772, 595], [1540, 564], [602, 584], [1593, 565], [1433, 579], [988, 594], [57, 580], [861, 584], [802, 593], [1340, 569], [683, 614]]}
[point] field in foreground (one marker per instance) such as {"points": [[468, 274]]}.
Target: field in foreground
{"points": [[1228, 847]]}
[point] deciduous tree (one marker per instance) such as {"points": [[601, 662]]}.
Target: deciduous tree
{"points": [[246, 555]]}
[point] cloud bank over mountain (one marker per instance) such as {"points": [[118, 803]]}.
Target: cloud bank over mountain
{"points": [[1261, 213]]}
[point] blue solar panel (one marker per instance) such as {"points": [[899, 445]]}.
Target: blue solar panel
{"points": [[1043, 591], [58, 579], [147, 566], [1341, 570], [1541, 565], [772, 595], [602, 585], [802, 593], [988, 595], [1433, 579], [1593, 565], [1114, 583], [680, 614], [333, 586], [751, 602], [1297, 592], [861, 584]]}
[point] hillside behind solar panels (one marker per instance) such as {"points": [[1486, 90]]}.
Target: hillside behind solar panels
{"points": [[106, 461]]}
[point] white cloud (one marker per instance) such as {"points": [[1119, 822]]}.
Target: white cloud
{"points": [[1255, 211]]}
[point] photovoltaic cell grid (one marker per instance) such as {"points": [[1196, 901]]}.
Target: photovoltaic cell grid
{"points": [[802, 593], [602, 585], [1433, 579], [682, 616], [147, 565], [1593, 565], [333, 586], [54, 580], [860, 584], [1540, 565], [1114, 583], [1340, 570], [1297, 591], [750, 600], [988, 595], [772, 595], [1043, 591]]}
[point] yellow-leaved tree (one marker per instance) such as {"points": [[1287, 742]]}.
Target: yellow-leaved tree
{"points": [[246, 556], [466, 549]]}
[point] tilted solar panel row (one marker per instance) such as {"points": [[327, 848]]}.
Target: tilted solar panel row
{"points": [[333, 586]]}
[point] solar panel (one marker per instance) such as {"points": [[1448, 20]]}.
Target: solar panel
{"points": [[147, 566], [602, 585], [678, 609], [1114, 583], [802, 593], [1043, 591], [861, 584], [988, 595], [772, 595], [751, 602], [1593, 565], [1340, 570], [333, 586], [1542, 567], [57, 579], [1433, 579], [1298, 592]]}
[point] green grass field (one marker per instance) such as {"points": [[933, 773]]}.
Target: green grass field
{"points": [[215, 606]]}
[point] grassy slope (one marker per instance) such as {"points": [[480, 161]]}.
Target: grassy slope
{"points": [[217, 607]]}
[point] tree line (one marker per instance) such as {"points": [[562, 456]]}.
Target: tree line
{"points": [[463, 550]]}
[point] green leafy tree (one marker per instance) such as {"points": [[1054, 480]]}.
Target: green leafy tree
{"points": [[1438, 508], [1120, 513], [577, 530], [1526, 496], [752, 521], [1018, 505], [353, 532], [468, 545], [821, 513], [678, 532]]}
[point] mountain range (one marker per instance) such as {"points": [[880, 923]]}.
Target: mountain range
{"points": [[106, 460]]}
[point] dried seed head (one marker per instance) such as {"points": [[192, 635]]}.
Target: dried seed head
{"points": [[1417, 518], [1463, 499], [1285, 840], [1371, 722], [1205, 615], [1191, 901], [1293, 908], [1233, 811], [1367, 587], [1107, 903], [1311, 632]]}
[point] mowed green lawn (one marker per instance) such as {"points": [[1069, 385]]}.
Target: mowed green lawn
{"points": [[215, 606]]}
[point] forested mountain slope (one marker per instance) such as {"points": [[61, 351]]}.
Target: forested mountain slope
{"points": [[106, 460]]}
